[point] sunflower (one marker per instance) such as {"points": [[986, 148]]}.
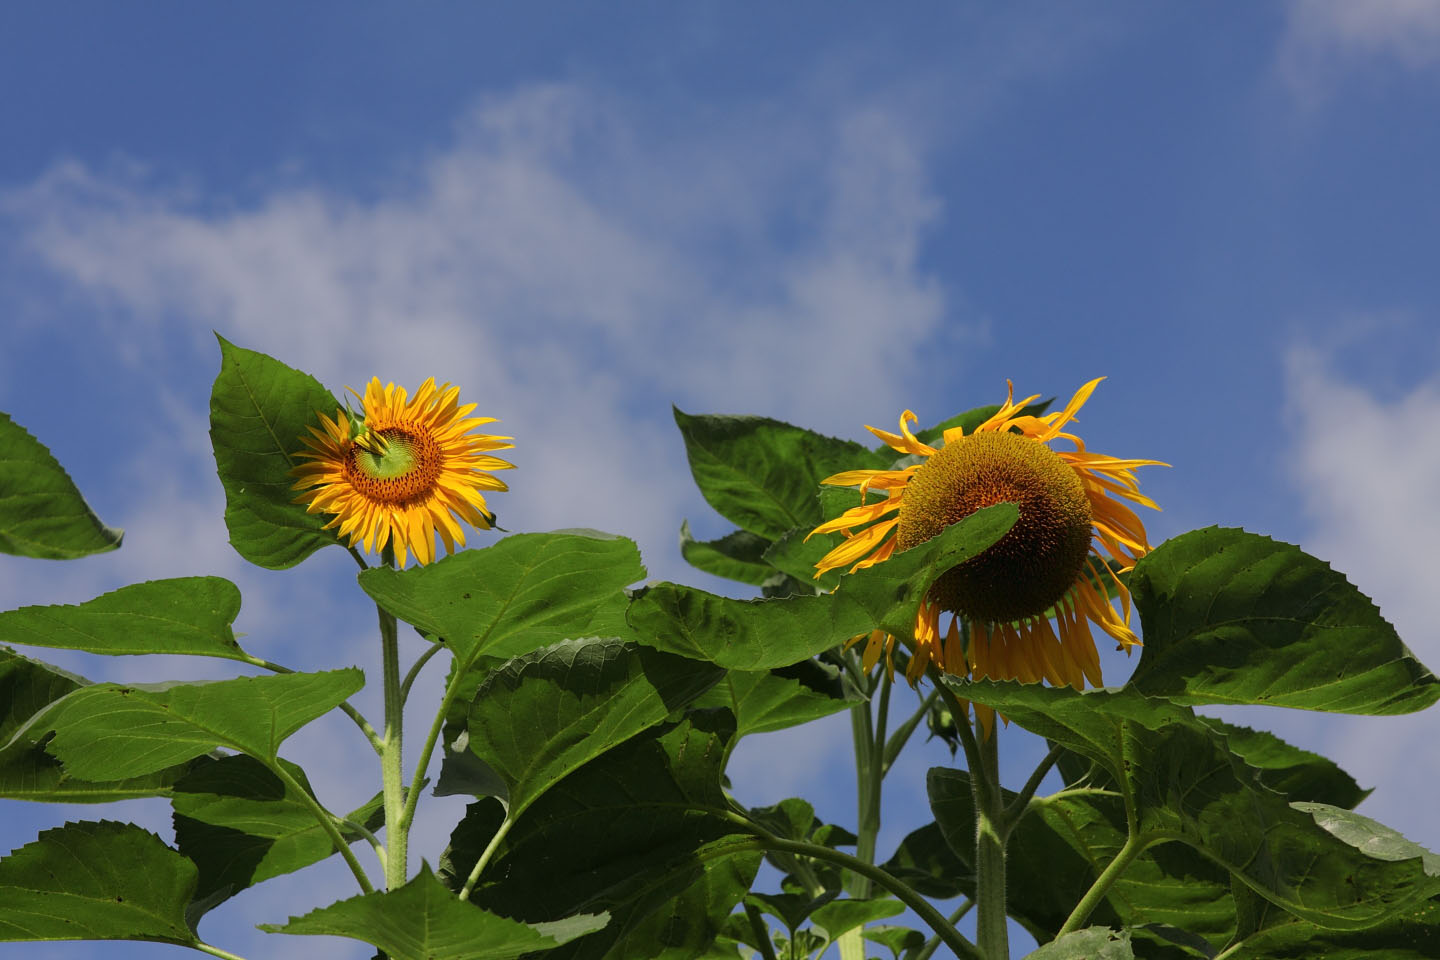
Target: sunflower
{"points": [[405, 473], [1061, 561]]}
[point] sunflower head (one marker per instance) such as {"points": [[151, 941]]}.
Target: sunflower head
{"points": [[402, 470], [1075, 535]]}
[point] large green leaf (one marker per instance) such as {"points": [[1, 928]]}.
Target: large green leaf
{"points": [[516, 596], [96, 881], [259, 410], [241, 824], [638, 832], [1413, 935], [424, 921], [42, 514], [107, 731], [762, 474], [1298, 774], [186, 615], [1186, 785], [27, 772], [1234, 617], [735, 556], [543, 715], [765, 634], [766, 700]]}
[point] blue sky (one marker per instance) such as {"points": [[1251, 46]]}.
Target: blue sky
{"points": [[586, 213]]}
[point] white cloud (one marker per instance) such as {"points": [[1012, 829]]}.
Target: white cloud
{"points": [[1323, 38], [1367, 470], [572, 275]]}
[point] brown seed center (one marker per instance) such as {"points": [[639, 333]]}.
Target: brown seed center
{"points": [[1038, 560]]}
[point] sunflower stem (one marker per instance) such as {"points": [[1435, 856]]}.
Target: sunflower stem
{"points": [[1021, 803], [901, 736], [485, 856], [391, 771], [1135, 844], [992, 828], [327, 821], [992, 933]]}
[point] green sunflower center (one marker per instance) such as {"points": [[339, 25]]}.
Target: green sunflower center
{"points": [[406, 470], [1033, 565]]}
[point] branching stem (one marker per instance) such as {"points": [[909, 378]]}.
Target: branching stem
{"points": [[327, 823]]}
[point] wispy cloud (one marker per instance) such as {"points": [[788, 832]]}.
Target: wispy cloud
{"points": [[1367, 470], [1323, 39], [569, 276]]}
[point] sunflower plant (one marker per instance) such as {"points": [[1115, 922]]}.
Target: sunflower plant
{"points": [[961, 578]]}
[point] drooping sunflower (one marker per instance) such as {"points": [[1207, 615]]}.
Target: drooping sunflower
{"points": [[1051, 565], [404, 473]]}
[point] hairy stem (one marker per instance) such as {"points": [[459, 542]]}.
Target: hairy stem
{"points": [[992, 933], [1134, 845], [415, 669], [391, 771], [485, 856], [327, 823], [1016, 809]]}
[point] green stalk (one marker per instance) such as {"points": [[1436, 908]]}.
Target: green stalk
{"points": [[391, 772], [327, 823], [485, 856], [216, 951], [992, 933], [1134, 845]]}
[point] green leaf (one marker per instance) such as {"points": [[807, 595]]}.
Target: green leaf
{"points": [[1412, 935], [107, 731], [639, 836], [1298, 774], [27, 772], [96, 881], [900, 941], [839, 916], [424, 921], [42, 514], [794, 819], [523, 593], [1234, 617], [241, 824], [763, 701], [259, 411], [762, 474], [1186, 785], [735, 556], [925, 861], [765, 634], [190, 615], [1092, 943], [544, 715]]}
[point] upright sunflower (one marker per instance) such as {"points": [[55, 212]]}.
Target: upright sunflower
{"points": [[404, 474], [1051, 564]]}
